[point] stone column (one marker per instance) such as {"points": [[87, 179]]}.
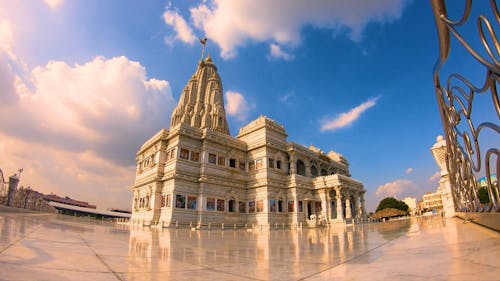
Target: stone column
{"points": [[357, 212], [307, 165], [293, 168], [338, 196], [348, 214], [328, 208], [324, 202]]}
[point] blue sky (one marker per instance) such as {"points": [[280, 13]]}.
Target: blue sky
{"points": [[84, 83]]}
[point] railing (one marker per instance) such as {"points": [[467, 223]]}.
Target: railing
{"points": [[472, 143]]}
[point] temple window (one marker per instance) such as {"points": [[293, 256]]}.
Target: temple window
{"points": [[251, 165], [210, 204], [251, 206], [291, 206], [232, 163], [272, 205], [271, 163], [324, 172], [281, 208], [191, 202], [180, 201], [300, 206], [220, 205], [242, 165], [278, 164], [314, 171], [242, 207], [212, 158], [231, 206], [301, 168], [317, 207], [195, 156], [184, 153]]}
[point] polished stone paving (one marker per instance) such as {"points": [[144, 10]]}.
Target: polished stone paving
{"points": [[56, 247]]}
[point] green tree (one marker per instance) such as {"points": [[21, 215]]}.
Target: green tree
{"points": [[391, 202], [483, 195]]}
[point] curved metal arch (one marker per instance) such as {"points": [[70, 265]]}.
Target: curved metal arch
{"points": [[466, 156]]}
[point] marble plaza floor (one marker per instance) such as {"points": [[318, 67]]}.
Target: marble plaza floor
{"points": [[55, 247]]}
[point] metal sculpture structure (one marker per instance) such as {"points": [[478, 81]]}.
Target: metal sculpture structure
{"points": [[457, 97]]}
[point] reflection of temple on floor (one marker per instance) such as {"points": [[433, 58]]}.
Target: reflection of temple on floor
{"points": [[151, 248], [197, 173]]}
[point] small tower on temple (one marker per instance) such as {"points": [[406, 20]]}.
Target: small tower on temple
{"points": [[439, 152]]}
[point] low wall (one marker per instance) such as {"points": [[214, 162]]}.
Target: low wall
{"points": [[8, 209], [489, 220]]}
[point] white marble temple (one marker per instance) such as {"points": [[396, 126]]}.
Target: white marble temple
{"points": [[55, 247], [197, 173]]}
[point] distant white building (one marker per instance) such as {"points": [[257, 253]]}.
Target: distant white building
{"points": [[412, 203], [432, 201]]}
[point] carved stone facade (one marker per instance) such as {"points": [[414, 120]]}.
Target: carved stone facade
{"points": [[198, 174]]}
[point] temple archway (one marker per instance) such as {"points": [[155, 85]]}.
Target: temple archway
{"points": [[314, 171]]}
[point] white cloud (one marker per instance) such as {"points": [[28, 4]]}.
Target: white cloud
{"points": [[347, 118], [409, 171], [276, 52], [288, 98], [82, 175], [54, 4], [233, 24], [6, 38], [76, 129], [99, 103], [435, 177], [237, 106], [183, 32], [400, 187]]}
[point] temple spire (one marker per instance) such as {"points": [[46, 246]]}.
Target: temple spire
{"points": [[201, 104]]}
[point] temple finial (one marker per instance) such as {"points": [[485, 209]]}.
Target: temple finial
{"points": [[203, 42]]}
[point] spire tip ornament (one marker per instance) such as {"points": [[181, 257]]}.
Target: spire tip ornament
{"points": [[203, 42]]}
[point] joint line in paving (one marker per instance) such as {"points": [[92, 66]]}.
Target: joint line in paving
{"points": [[347, 260], [100, 259]]}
